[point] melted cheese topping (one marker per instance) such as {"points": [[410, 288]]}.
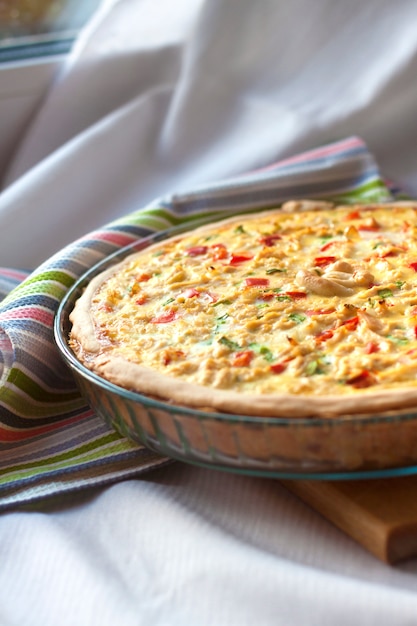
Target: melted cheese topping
{"points": [[314, 302]]}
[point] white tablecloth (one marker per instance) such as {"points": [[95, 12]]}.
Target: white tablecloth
{"points": [[158, 97]]}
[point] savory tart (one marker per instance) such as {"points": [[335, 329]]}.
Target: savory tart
{"points": [[305, 310]]}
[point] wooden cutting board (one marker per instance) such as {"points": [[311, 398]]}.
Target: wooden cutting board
{"points": [[379, 514]]}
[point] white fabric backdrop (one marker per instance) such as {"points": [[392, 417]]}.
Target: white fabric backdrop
{"points": [[160, 96]]}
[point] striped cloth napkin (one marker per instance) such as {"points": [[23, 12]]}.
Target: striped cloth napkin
{"points": [[50, 442]]}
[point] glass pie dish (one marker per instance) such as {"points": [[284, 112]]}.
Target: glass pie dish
{"points": [[344, 447]]}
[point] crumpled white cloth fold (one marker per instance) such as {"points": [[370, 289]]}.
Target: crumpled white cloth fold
{"points": [[157, 98]]}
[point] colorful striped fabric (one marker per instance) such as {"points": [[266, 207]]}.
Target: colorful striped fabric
{"points": [[50, 441]]}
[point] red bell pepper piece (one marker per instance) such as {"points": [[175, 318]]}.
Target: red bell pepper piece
{"points": [[353, 215], [325, 335], [328, 245], [141, 278], [278, 368], [240, 258], [164, 318], [269, 240], [296, 295], [370, 226], [371, 347], [196, 250], [256, 282], [322, 261], [351, 323], [190, 293], [168, 356], [362, 380], [243, 359], [219, 251]]}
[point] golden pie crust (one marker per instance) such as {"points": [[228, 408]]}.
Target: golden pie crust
{"points": [[309, 310]]}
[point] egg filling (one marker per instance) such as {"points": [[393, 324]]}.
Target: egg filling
{"points": [[311, 302]]}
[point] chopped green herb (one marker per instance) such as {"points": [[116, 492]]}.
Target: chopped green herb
{"points": [[378, 244], [400, 341], [399, 283], [316, 367], [168, 301], [384, 293], [283, 298], [266, 353], [232, 345], [159, 253], [274, 270], [263, 351], [240, 230], [221, 321], [312, 368], [222, 302], [297, 317], [262, 305]]}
